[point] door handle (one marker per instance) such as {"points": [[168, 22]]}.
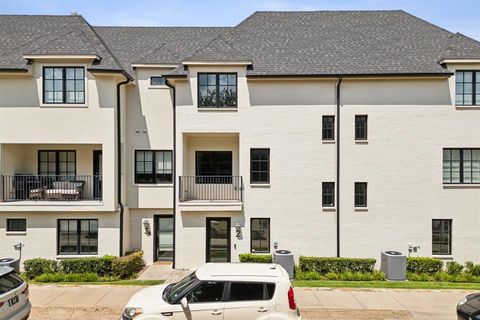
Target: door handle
{"points": [[262, 309], [216, 312]]}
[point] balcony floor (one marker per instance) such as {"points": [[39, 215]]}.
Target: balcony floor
{"points": [[51, 203]]}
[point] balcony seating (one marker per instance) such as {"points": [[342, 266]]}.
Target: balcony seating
{"points": [[61, 190]]}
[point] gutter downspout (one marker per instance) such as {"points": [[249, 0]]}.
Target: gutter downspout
{"points": [[339, 83], [174, 167], [119, 164]]}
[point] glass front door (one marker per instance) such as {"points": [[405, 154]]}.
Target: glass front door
{"points": [[164, 238], [218, 240]]}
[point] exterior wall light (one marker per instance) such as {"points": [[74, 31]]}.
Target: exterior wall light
{"points": [[146, 227]]}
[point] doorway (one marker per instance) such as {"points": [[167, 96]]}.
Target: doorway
{"points": [[218, 240], [97, 174], [163, 238]]}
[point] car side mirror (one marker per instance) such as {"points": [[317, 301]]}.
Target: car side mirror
{"points": [[184, 303]]}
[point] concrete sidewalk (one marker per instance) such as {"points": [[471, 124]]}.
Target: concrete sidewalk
{"points": [[107, 302]]}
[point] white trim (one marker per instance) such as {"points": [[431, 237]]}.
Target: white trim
{"points": [[160, 65], [60, 56], [218, 62], [16, 233], [459, 61]]}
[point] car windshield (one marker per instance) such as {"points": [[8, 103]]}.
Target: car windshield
{"points": [[9, 282], [179, 288]]}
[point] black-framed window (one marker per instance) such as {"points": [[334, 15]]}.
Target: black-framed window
{"points": [[361, 127], [153, 166], [63, 85], [328, 128], [441, 237], [213, 163], [16, 225], [57, 163], [217, 90], [328, 194], [260, 235], [467, 88], [77, 236], [461, 165], [158, 81], [360, 194], [259, 165]]}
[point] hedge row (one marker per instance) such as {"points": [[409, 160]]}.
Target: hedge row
{"points": [[324, 266], [106, 266], [424, 265], [255, 258]]}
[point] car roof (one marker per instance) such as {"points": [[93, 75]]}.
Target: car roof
{"points": [[5, 270], [242, 272]]}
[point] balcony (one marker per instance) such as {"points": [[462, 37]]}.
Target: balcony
{"points": [[214, 193], [51, 188]]}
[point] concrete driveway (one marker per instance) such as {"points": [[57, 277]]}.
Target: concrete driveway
{"points": [[107, 302]]}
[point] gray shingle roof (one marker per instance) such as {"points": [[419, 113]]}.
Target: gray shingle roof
{"points": [[69, 35], [278, 43], [155, 44]]}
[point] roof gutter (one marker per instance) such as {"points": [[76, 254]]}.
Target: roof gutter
{"points": [[119, 163], [362, 75], [174, 166], [338, 91]]}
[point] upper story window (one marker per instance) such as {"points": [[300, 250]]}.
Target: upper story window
{"points": [[328, 194], [360, 194], [461, 165], [63, 85], [467, 88], [259, 165], [217, 90], [361, 124], [158, 81], [328, 128], [57, 163], [153, 166]]}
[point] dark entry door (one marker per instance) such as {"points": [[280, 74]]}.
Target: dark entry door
{"points": [[164, 238], [218, 240], [97, 174]]}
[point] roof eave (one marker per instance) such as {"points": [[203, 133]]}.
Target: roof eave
{"points": [[217, 62], [459, 60]]}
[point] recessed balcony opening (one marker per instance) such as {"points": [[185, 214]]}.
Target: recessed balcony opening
{"points": [[211, 169], [55, 173]]}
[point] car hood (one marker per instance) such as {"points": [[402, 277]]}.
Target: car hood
{"points": [[473, 300], [148, 297]]}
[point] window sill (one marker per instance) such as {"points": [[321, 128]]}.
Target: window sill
{"points": [[332, 209], [158, 87], [154, 185], [361, 141], [328, 141], [76, 256], [443, 256], [361, 208], [476, 107], [461, 185], [260, 185], [63, 105], [229, 109], [16, 233]]}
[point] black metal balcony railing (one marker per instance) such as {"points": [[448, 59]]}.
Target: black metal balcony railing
{"points": [[211, 188], [51, 188]]}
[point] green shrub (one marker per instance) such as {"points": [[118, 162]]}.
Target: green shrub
{"points": [[472, 269], [343, 276], [336, 265], [424, 265], [454, 268], [71, 277], [101, 266], [127, 266], [39, 266], [255, 258], [412, 276]]}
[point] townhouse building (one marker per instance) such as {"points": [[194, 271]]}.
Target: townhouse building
{"points": [[328, 133]]}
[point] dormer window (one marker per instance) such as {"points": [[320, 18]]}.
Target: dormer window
{"points": [[63, 85], [217, 90], [158, 81], [467, 88]]}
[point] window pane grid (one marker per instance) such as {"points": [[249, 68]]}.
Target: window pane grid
{"points": [[153, 166], [78, 236], [360, 194], [467, 88], [17, 225], [259, 165], [441, 237], [328, 127], [328, 194], [63, 85], [217, 90], [461, 166], [260, 235], [361, 123]]}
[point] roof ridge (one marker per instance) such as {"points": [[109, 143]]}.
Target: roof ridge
{"points": [[220, 36], [66, 34], [426, 22]]}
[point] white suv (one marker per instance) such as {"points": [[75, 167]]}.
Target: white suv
{"points": [[14, 303], [219, 291]]}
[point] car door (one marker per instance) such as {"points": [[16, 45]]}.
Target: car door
{"points": [[246, 300], [205, 301]]}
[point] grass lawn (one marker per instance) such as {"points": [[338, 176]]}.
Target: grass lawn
{"points": [[116, 283], [387, 284]]}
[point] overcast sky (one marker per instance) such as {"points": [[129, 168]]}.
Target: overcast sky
{"points": [[454, 15]]}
